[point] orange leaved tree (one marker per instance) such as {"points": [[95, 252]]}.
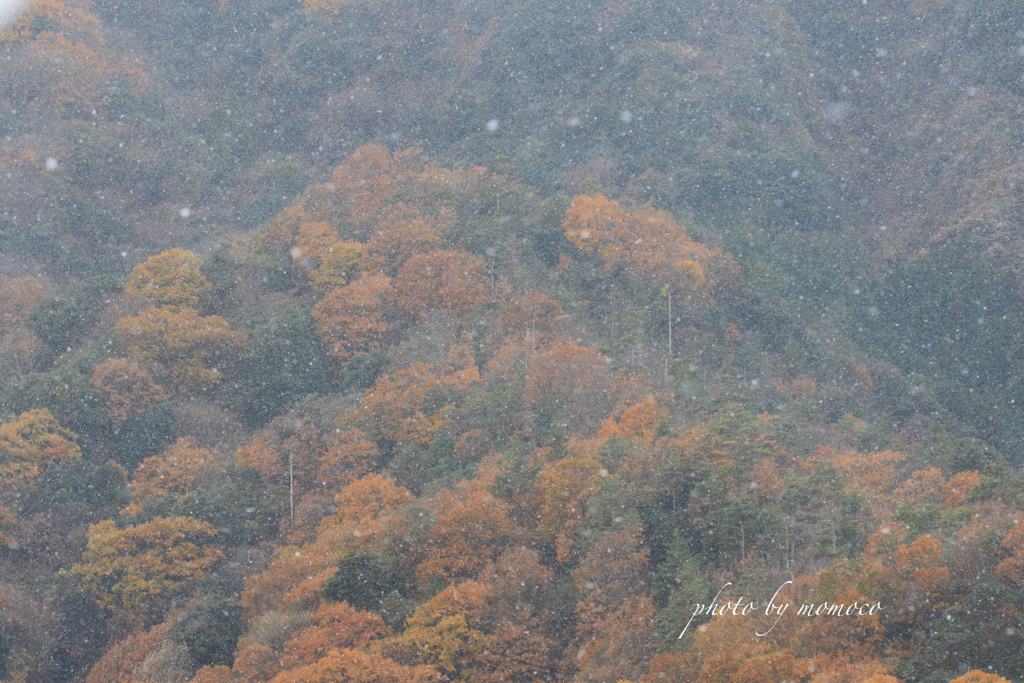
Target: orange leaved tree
{"points": [[17, 297], [396, 409], [402, 231], [173, 472], [472, 529], [119, 662], [364, 508], [648, 240], [615, 617], [353, 666], [454, 281], [351, 320], [447, 631], [338, 626], [571, 378], [124, 388]]}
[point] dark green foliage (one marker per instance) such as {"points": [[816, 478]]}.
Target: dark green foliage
{"points": [[362, 581], [98, 233], [84, 629], [552, 424], [65, 392], [497, 411], [952, 312], [950, 317], [726, 532], [322, 57], [658, 529], [210, 631], [62, 666], [80, 491], [506, 224], [221, 505], [5, 651], [679, 584], [436, 466], [920, 670], [284, 361], [361, 372], [58, 321], [273, 272], [819, 517], [280, 185], [1000, 482], [676, 479], [236, 506], [918, 520], [783, 199], [735, 422], [985, 631], [440, 457], [515, 481], [64, 225], [143, 435], [233, 501], [222, 271], [842, 534], [615, 505]]}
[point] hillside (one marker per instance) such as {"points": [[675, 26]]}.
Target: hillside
{"points": [[388, 341]]}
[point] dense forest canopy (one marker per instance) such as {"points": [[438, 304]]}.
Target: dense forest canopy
{"points": [[441, 341]]}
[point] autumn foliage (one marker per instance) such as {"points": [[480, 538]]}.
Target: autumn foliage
{"points": [[509, 470], [471, 530], [351, 320], [30, 444], [172, 473], [123, 659], [338, 626], [358, 667], [572, 377], [172, 279], [648, 240], [137, 571], [124, 388], [441, 280], [193, 351], [17, 297], [65, 69]]}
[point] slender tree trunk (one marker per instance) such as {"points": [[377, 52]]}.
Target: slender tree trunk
{"points": [[668, 358]]}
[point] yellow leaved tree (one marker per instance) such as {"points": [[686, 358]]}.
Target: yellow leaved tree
{"points": [[136, 572], [28, 445], [193, 349], [171, 279], [339, 265], [31, 443]]}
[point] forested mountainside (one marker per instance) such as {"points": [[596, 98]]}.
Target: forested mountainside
{"points": [[383, 341]]}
